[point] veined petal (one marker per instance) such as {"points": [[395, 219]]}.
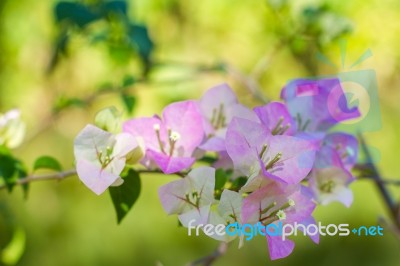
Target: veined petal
{"points": [[146, 129], [191, 192], [276, 114], [90, 142], [214, 144], [124, 144], [297, 158], [200, 216], [185, 118], [279, 248], [241, 138], [95, 178], [214, 97], [346, 146], [168, 164]]}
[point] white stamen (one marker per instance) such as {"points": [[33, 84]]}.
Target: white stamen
{"points": [[281, 215], [291, 202], [156, 127], [175, 136]]}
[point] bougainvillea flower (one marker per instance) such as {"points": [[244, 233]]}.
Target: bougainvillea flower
{"points": [[218, 106], [346, 146], [12, 129], [329, 179], [101, 156], [254, 150], [191, 196], [228, 211], [279, 203], [318, 104], [276, 117], [170, 141]]}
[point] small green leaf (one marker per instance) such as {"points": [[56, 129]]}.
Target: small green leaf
{"points": [[139, 36], [238, 183], [7, 170], [129, 102], [128, 81], [64, 103], [11, 169], [125, 195], [47, 162], [208, 159], [220, 178], [22, 173], [115, 7], [76, 13]]}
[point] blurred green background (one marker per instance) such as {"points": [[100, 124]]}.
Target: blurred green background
{"points": [[191, 45]]}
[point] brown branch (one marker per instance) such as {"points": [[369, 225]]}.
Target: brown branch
{"points": [[72, 172], [379, 181], [264, 63], [52, 176], [211, 258], [394, 182], [248, 82]]}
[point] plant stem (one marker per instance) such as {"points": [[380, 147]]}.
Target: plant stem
{"points": [[379, 181], [69, 173], [211, 258]]}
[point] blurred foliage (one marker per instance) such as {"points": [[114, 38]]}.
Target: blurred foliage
{"points": [[121, 35], [61, 62], [11, 169]]}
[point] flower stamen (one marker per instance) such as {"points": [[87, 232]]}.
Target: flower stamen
{"points": [[272, 162], [173, 138], [281, 215], [327, 187], [157, 130]]}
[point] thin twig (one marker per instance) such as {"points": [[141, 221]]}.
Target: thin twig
{"points": [[248, 82], [263, 64], [88, 100], [394, 182], [211, 258], [52, 176], [72, 172], [390, 203], [391, 227]]}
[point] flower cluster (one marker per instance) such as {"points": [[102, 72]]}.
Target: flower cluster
{"points": [[279, 160]]}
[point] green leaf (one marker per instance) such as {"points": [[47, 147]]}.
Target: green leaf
{"points": [[76, 13], [116, 7], [11, 169], [129, 102], [140, 38], [124, 196], [220, 178], [238, 183], [47, 162], [64, 103], [7, 170], [60, 48], [21, 173], [128, 81], [208, 159]]}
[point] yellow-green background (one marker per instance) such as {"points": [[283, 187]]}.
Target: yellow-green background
{"points": [[66, 224]]}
